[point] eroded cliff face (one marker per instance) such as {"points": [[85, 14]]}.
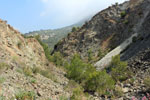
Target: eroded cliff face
{"points": [[21, 54], [106, 30]]}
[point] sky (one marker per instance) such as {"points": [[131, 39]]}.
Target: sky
{"points": [[31, 15]]}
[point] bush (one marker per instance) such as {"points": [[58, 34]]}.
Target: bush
{"points": [[2, 79], [76, 69], [119, 70], [74, 29], [100, 82], [36, 70], [78, 94], [126, 22], [47, 50], [57, 58], [101, 53], [86, 75], [23, 95], [3, 65], [33, 80], [2, 97], [27, 71], [123, 14], [19, 45], [90, 55], [134, 39], [118, 92]]}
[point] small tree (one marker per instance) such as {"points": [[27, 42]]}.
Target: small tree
{"points": [[74, 29], [58, 59], [90, 55], [100, 82], [123, 14], [119, 70], [76, 69]]}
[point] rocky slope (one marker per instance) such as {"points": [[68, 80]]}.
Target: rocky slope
{"points": [[110, 30], [105, 31], [17, 57]]}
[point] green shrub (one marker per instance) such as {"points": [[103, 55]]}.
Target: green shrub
{"points": [[76, 69], [2, 79], [118, 92], [46, 73], [2, 97], [86, 75], [36, 70], [33, 80], [3, 65], [74, 29], [125, 22], [90, 55], [47, 50], [102, 53], [77, 94], [63, 98], [19, 45], [57, 58], [123, 14], [134, 39], [119, 70], [27, 71], [100, 82], [23, 95]]}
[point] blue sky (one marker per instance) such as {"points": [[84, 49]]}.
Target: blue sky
{"points": [[30, 15]]}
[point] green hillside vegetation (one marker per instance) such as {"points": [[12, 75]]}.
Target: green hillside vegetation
{"points": [[54, 36]]}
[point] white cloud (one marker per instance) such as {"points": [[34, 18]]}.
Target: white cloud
{"points": [[72, 11]]}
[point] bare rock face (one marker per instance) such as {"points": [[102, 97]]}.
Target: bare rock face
{"points": [[17, 52], [106, 30]]}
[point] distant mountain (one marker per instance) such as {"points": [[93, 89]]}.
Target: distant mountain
{"points": [[51, 37]]}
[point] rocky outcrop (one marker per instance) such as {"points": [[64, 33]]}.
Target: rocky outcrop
{"points": [[106, 30], [18, 52]]}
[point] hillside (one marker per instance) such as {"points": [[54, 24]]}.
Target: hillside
{"points": [[105, 31], [51, 37], [121, 29], [108, 58], [24, 69]]}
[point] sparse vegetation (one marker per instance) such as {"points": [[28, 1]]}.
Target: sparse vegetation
{"points": [[45, 47], [90, 55], [118, 91], [2, 97], [134, 39], [147, 82], [33, 80], [63, 98], [3, 66], [74, 29], [27, 71], [57, 58], [118, 69], [19, 44], [77, 94], [123, 14], [23, 95], [2, 79], [102, 53], [87, 76], [126, 22]]}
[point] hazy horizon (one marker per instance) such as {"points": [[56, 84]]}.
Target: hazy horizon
{"points": [[32, 15]]}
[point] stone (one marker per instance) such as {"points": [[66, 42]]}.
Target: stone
{"points": [[125, 90]]}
